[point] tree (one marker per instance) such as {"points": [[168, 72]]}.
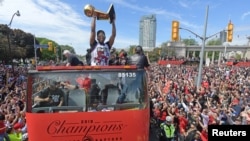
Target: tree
{"points": [[164, 50], [155, 55], [238, 56], [213, 42], [131, 49], [189, 42], [22, 45]]}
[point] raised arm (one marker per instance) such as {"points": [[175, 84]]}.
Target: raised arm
{"points": [[113, 35], [92, 32]]}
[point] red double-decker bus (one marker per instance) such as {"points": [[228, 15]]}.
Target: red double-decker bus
{"points": [[99, 103]]}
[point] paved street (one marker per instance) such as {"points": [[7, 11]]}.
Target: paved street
{"points": [[152, 136]]}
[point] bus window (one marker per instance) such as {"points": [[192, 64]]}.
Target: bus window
{"points": [[87, 91], [94, 104]]}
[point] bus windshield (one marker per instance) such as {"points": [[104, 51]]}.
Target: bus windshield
{"points": [[86, 90]]}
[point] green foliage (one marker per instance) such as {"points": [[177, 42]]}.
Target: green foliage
{"points": [[166, 51], [189, 42], [22, 45], [216, 53], [19, 45], [131, 49], [45, 54], [214, 42], [238, 56], [153, 57]]}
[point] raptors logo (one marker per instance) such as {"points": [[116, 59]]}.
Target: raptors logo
{"points": [[102, 56]]}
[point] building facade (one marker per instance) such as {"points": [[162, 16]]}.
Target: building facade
{"points": [[147, 31]]}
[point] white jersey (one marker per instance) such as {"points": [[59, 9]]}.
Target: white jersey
{"points": [[100, 55]]}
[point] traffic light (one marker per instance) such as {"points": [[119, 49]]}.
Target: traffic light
{"points": [[175, 31], [55, 50], [50, 44], [230, 32]]}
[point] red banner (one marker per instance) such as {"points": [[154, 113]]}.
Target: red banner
{"points": [[129, 125], [170, 62]]}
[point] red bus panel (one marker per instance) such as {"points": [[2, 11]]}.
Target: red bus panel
{"points": [[128, 125]]}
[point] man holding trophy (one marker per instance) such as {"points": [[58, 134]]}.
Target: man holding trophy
{"points": [[100, 49]]}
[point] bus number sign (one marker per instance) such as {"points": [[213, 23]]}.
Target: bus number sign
{"points": [[126, 74]]}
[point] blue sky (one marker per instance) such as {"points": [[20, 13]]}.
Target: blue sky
{"points": [[64, 21]]}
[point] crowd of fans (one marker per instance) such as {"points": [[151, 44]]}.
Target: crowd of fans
{"points": [[12, 109], [221, 99]]}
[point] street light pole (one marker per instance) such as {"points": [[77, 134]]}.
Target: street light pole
{"points": [[8, 37], [16, 13], [202, 50], [204, 38]]}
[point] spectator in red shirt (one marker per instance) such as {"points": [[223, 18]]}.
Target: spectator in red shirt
{"points": [[183, 122], [3, 133]]}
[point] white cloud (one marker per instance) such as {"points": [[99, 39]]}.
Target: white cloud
{"points": [[54, 20], [50, 19], [245, 15], [63, 23], [147, 9], [183, 4]]}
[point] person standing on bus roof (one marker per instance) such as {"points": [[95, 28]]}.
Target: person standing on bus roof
{"points": [[88, 57], [100, 50], [72, 59], [139, 59]]}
